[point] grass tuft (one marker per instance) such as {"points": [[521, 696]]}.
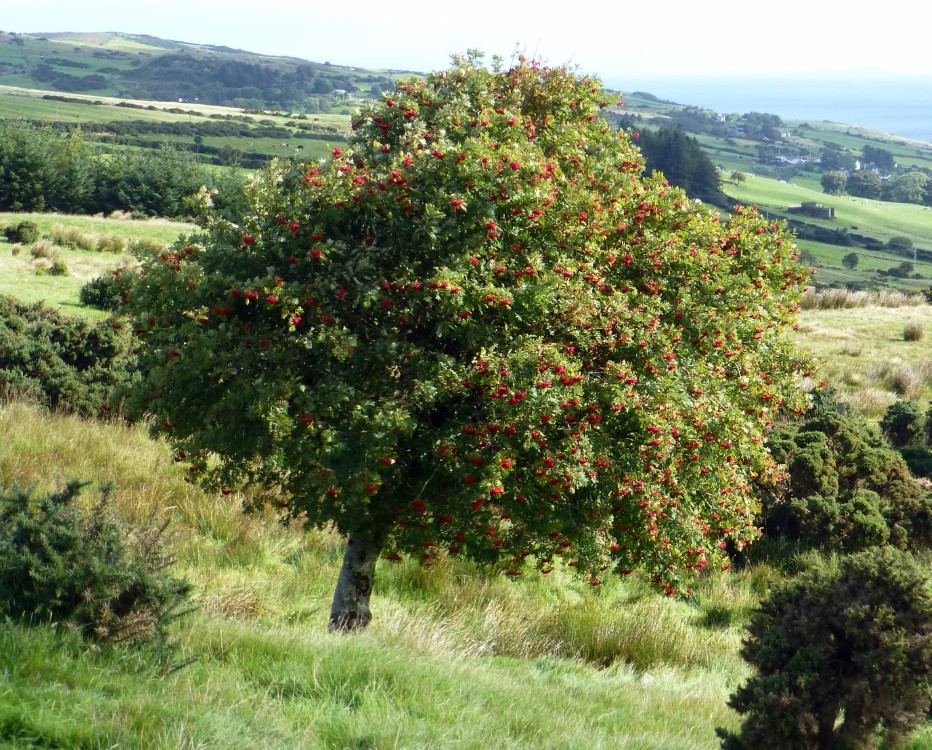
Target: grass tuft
{"points": [[913, 330]]}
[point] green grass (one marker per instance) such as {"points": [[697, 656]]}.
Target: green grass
{"points": [[878, 219], [830, 271], [285, 687], [23, 102], [863, 353], [24, 276], [455, 658]]}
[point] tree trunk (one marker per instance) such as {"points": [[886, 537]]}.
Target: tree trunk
{"points": [[350, 609]]}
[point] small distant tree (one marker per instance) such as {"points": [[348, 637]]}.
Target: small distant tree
{"points": [[864, 184], [835, 158], [834, 182], [902, 271], [846, 488], [879, 157], [838, 655], [900, 245], [738, 177], [850, 261], [908, 188], [480, 331]]}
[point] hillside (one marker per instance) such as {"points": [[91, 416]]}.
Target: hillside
{"points": [[234, 107], [143, 67], [680, 351]]}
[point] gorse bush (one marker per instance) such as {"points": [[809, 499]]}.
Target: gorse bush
{"points": [[918, 458], [64, 363], [108, 291], [846, 489], [25, 232], [910, 432], [58, 268], [838, 654], [82, 568], [904, 424]]}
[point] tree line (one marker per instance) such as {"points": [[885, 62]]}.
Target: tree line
{"points": [[42, 169], [875, 175], [675, 153]]}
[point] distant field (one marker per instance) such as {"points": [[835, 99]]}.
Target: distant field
{"points": [[96, 112], [862, 352], [877, 218], [26, 277]]}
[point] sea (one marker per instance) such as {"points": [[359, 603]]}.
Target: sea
{"points": [[899, 105]]}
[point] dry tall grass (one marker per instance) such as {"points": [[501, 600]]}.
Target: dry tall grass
{"points": [[838, 299], [74, 237], [252, 567]]}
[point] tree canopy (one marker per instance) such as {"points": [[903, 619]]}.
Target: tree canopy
{"points": [[480, 331]]}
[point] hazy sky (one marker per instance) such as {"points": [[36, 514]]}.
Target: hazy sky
{"points": [[666, 38]]}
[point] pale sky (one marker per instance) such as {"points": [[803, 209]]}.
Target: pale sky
{"points": [[622, 43]]}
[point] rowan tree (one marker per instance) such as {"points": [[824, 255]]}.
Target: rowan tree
{"points": [[479, 330]]}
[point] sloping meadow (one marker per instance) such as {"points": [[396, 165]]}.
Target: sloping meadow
{"points": [[456, 656]]}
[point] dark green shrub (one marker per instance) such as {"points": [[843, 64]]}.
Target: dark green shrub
{"points": [[58, 268], [105, 292], [846, 490], [838, 655], [65, 363], [903, 424], [83, 568], [919, 460], [25, 232]]}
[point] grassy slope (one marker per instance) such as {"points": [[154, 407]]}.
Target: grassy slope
{"points": [[22, 275], [862, 352], [455, 658], [877, 219], [18, 102]]}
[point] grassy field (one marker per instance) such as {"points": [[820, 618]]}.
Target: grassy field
{"points": [[876, 219], [456, 657], [863, 353], [26, 276], [95, 113]]}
